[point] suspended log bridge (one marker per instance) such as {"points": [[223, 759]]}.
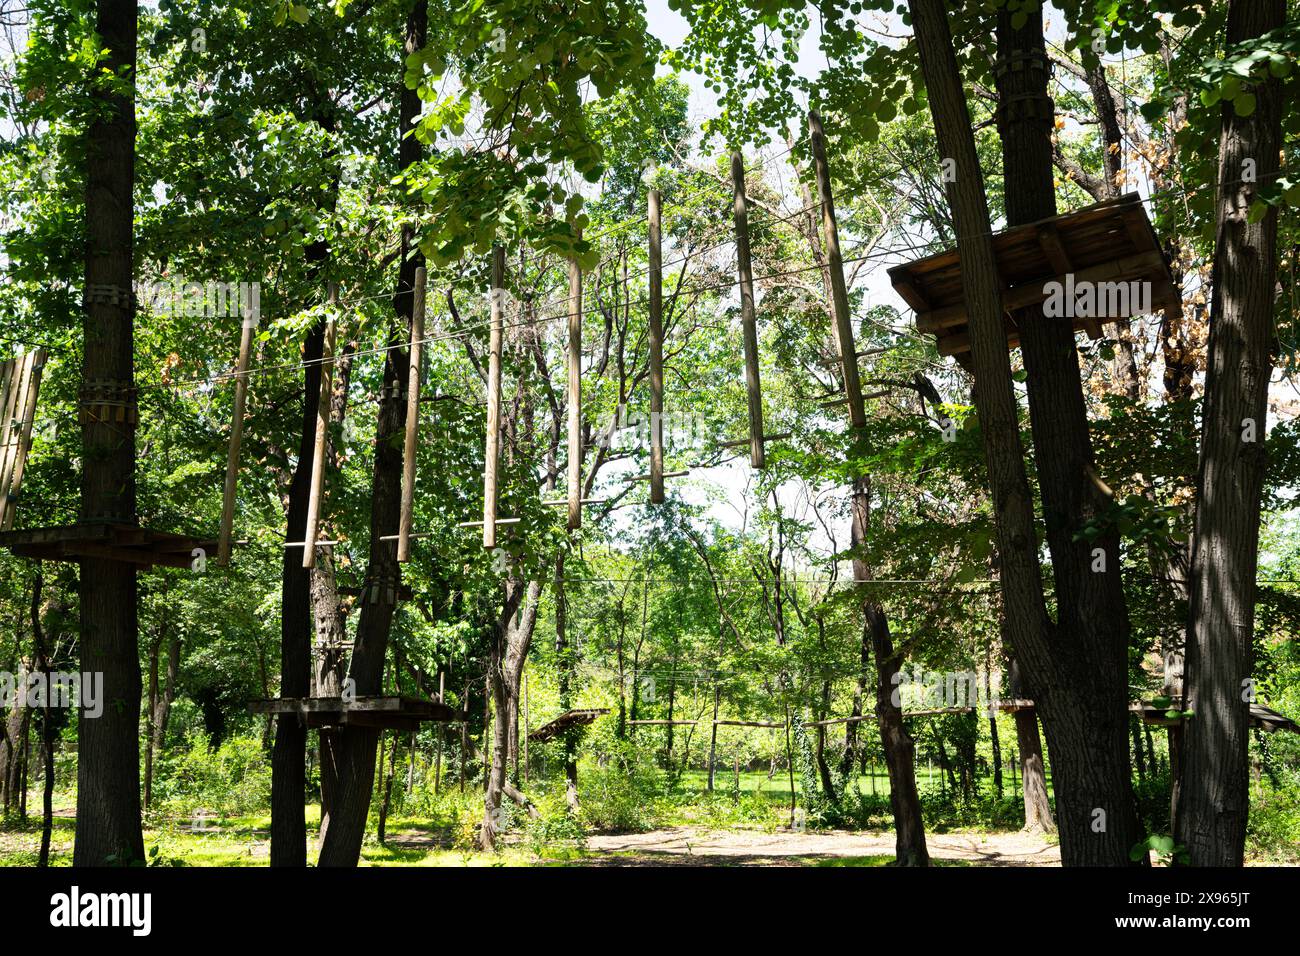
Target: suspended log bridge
{"points": [[570, 718], [387, 712], [1108, 242]]}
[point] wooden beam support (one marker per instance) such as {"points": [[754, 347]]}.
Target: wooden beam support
{"points": [[670, 474], [748, 319], [656, 279], [574, 479], [779, 436], [835, 266], [906, 287], [492, 448], [1049, 240], [410, 448], [224, 541], [480, 524], [322, 431]]}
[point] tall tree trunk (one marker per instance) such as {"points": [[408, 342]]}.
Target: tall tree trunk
{"points": [[343, 833], [512, 636], [1213, 783], [160, 705], [108, 768], [713, 738], [1078, 672], [995, 740], [15, 733], [1033, 772], [43, 664], [565, 666], [289, 753], [1090, 603], [900, 751]]}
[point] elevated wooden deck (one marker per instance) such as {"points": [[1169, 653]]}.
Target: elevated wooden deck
{"points": [[387, 712], [116, 542], [1109, 242]]}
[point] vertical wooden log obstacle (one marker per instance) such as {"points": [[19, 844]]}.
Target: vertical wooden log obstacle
{"points": [[22, 381], [575, 394], [493, 442], [748, 320], [252, 318], [322, 432], [412, 419], [656, 352], [835, 265]]}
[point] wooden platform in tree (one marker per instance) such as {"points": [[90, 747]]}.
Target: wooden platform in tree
{"points": [[1265, 718], [387, 712], [115, 542], [1109, 242], [570, 718]]}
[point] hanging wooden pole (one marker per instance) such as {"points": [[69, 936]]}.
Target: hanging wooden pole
{"points": [[251, 320], [27, 419], [747, 317], [835, 265], [656, 353], [322, 431], [412, 419], [493, 445], [575, 394], [14, 374]]}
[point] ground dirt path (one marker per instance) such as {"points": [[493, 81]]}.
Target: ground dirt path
{"points": [[694, 846]]}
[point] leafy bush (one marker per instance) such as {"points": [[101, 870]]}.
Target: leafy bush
{"points": [[621, 788], [233, 780], [1273, 831], [941, 809], [554, 827]]}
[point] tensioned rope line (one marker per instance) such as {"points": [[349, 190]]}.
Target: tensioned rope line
{"points": [[594, 310], [482, 326]]}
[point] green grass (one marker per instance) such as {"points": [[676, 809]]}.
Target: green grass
{"points": [[779, 785]]}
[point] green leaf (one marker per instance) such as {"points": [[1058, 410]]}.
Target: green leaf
{"points": [[1244, 104]]}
